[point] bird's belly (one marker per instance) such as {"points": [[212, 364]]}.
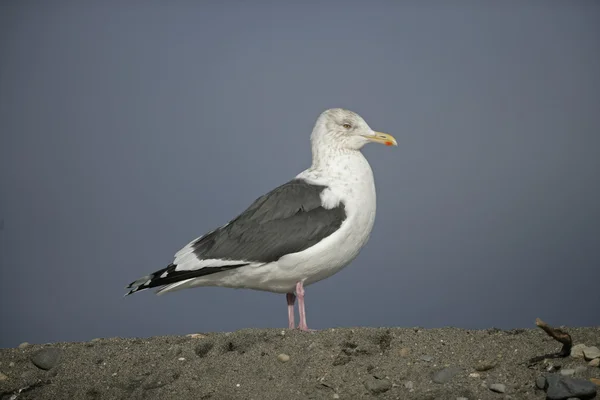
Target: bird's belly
{"points": [[325, 258]]}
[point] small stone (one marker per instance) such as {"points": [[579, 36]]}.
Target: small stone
{"points": [[445, 375], [595, 362], [577, 350], [567, 372], [196, 335], [3, 377], [427, 358], [96, 340], [591, 352], [47, 358], [283, 357], [377, 386], [474, 375], [541, 382], [181, 358], [409, 385], [11, 364], [404, 352], [24, 345], [498, 387], [484, 366], [335, 396]]}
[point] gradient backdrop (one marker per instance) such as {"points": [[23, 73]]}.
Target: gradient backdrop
{"points": [[128, 129]]}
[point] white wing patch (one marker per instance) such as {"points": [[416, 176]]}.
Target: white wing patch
{"points": [[329, 199], [186, 260]]}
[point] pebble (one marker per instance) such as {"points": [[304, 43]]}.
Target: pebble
{"points": [[195, 335], [474, 375], [336, 396], [11, 364], [577, 350], [377, 386], [484, 366], [3, 377], [445, 375], [409, 385], [498, 387], [47, 358], [283, 357], [23, 345], [541, 382], [567, 372], [562, 387], [595, 362], [427, 358], [591, 352], [404, 352]]}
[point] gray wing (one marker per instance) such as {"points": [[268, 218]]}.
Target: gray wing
{"points": [[288, 219]]}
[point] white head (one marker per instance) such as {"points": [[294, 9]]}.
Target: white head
{"points": [[346, 130]]}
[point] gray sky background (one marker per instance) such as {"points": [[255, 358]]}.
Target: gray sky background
{"points": [[128, 130]]}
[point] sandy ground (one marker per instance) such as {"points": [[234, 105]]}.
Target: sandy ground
{"points": [[348, 363]]}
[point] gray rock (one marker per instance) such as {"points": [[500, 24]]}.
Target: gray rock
{"points": [[541, 382], [445, 375], [377, 386], [577, 350], [409, 385], [47, 358], [595, 362], [427, 358], [23, 345], [567, 372], [3, 377], [591, 352], [498, 387], [283, 357], [562, 387]]}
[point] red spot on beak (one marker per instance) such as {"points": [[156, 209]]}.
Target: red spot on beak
{"points": [[388, 143]]}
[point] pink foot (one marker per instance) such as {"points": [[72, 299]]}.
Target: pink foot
{"points": [[301, 309], [291, 299]]}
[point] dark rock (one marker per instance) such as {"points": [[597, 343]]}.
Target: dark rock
{"points": [[498, 387], [377, 386], [47, 358], [446, 374], [563, 387], [541, 383]]}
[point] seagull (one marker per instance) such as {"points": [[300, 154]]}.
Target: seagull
{"points": [[299, 233]]}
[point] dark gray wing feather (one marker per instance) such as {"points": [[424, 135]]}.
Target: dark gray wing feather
{"points": [[288, 219]]}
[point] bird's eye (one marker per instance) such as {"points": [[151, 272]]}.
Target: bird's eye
{"points": [[347, 126]]}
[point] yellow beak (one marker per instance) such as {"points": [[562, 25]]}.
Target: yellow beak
{"points": [[383, 138]]}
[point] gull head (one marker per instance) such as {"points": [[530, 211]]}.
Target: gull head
{"points": [[346, 129]]}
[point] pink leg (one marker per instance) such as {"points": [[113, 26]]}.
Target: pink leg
{"points": [[301, 309], [291, 299]]}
